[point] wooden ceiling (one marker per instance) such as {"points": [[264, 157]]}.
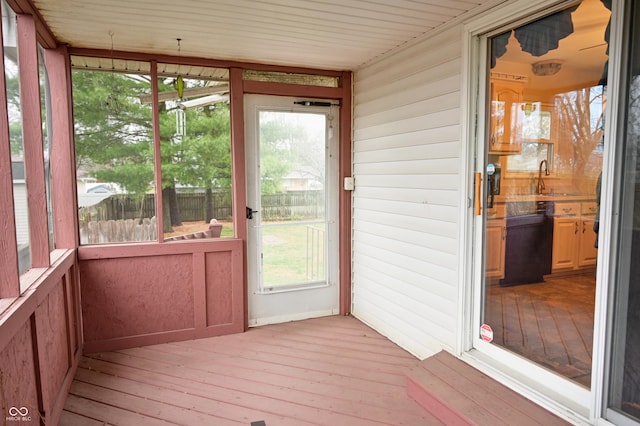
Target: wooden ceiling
{"points": [[326, 34]]}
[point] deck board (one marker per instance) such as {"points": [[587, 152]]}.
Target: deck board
{"points": [[326, 371], [459, 394]]}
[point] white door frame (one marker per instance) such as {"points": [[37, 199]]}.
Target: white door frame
{"points": [[296, 303]]}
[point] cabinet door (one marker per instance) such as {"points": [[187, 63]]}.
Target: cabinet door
{"points": [[505, 103], [565, 243], [494, 265], [588, 252]]}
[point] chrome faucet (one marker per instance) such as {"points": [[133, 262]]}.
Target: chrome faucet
{"points": [[541, 186]]}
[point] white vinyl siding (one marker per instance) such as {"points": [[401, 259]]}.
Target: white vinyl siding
{"points": [[21, 212], [406, 206]]}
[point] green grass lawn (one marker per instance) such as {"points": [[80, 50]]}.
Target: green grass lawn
{"points": [[291, 254]]}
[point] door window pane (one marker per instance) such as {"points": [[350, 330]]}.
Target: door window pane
{"points": [[543, 161], [291, 217]]}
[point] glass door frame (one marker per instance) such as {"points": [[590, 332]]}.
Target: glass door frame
{"points": [[548, 389], [315, 296], [621, 34]]}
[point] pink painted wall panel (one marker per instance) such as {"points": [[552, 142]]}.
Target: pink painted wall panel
{"points": [[124, 297], [18, 386], [72, 310], [53, 348], [137, 295], [219, 288], [37, 373]]}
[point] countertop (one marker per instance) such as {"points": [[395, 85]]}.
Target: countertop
{"points": [[547, 197], [517, 205]]}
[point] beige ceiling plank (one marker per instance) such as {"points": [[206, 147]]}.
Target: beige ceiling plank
{"points": [[397, 7], [207, 12], [255, 42], [349, 11], [319, 35], [326, 34]]}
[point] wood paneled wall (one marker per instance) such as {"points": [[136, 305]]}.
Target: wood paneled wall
{"points": [[135, 295], [40, 327], [40, 343]]}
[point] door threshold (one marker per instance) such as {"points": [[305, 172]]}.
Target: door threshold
{"points": [[555, 393], [257, 322]]}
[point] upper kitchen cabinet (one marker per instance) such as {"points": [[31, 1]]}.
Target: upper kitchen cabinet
{"points": [[505, 136]]}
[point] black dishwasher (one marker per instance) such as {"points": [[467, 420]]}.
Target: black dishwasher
{"points": [[528, 247]]}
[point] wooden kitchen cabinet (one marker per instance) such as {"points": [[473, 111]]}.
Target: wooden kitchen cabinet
{"points": [[496, 238], [573, 238], [506, 100], [565, 243], [588, 253]]}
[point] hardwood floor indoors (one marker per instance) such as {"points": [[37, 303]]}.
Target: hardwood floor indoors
{"points": [[550, 322]]}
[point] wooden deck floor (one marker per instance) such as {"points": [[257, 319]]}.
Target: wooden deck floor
{"points": [[327, 371]]}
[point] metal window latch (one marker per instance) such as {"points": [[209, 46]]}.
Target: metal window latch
{"points": [[250, 212]]}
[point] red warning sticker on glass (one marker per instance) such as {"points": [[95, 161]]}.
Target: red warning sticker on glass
{"points": [[486, 333]]}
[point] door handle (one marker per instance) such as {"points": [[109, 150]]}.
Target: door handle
{"points": [[250, 212], [478, 181]]}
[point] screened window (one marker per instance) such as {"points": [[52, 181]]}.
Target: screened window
{"points": [[195, 146], [118, 188], [45, 102], [14, 107], [114, 157]]}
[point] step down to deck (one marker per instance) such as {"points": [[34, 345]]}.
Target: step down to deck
{"points": [[458, 394]]}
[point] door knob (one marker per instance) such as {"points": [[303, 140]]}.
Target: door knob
{"points": [[250, 212]]}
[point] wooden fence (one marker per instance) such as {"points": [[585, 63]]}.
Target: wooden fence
{"points": [[294, 205], [113, 231]]}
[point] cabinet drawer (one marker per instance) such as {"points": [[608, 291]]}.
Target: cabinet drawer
{"points": [[566, 209], [589, 208]]}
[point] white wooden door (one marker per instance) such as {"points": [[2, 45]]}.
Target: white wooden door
{"points": [[292, 197]]}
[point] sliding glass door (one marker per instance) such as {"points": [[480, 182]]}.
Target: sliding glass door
{"points": [[540, 174], [624, 386]]}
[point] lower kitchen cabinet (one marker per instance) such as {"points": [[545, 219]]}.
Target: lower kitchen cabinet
{"points": [[495, 235], [573, 243], [588, 253]]}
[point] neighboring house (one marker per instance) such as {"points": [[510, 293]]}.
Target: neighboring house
{"points": [[20, 202], [300, 180], [21, 213]]}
